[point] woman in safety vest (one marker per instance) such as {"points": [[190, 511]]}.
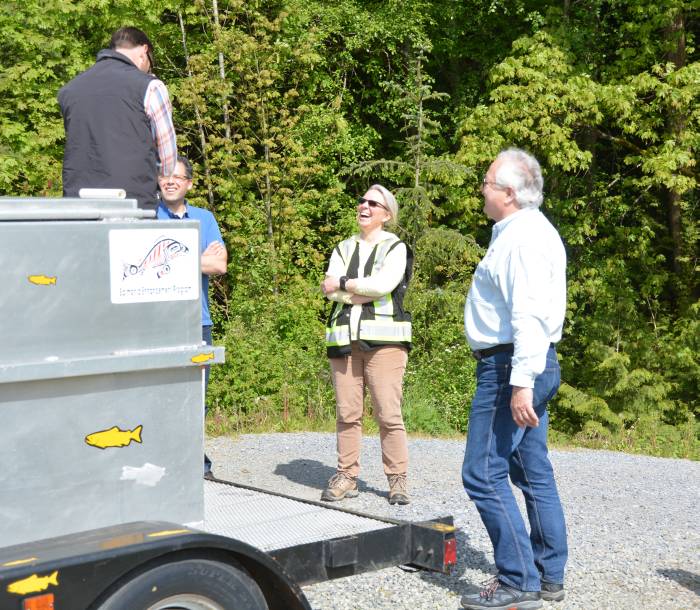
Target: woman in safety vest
{"points": [[367, 340]]}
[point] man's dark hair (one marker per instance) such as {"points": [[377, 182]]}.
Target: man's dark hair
{"points": [[129, 38], [187, 165]]}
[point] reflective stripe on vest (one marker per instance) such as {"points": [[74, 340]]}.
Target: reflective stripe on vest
{"points": [[385, 330], [384, 306], [338, 335]]}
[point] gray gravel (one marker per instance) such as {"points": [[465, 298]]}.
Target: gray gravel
{"points": [[634, 521]]}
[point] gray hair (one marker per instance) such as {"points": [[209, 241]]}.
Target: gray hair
{"points": [[389, 200], [521, 172]]}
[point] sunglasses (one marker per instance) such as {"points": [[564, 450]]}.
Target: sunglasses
{"points": [[371, 203]]}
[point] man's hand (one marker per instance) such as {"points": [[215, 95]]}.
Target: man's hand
{"points": [[521, 407], [215, 248]]}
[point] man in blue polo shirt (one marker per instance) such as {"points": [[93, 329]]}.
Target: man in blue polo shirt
{"points": [[214, 258]]}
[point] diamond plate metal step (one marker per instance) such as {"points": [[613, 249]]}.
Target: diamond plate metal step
{"points": [[271, 522]]}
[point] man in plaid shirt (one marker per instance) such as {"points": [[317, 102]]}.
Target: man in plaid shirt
{"points": [[118, 122]]}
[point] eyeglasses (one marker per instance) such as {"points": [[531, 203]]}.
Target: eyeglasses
{"points": [[494, 184], [371, 203], [174, 177]]}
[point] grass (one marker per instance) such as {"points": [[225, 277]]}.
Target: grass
{"points": [[674, 443]]}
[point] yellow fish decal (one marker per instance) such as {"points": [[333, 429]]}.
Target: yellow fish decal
{"points": [[167, 533], [199, 358], [18, 562], [114, 437], [33, 584], [41, 280]]}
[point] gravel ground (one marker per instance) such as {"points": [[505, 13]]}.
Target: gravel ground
{"points": [[634, 521]]}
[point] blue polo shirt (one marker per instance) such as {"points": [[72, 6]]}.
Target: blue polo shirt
{"points": [[208, 233]]}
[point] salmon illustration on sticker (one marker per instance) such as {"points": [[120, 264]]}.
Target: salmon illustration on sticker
{"points": [[199, 358], [33, 584], [114, 437], [42, 280], [158, 258]]}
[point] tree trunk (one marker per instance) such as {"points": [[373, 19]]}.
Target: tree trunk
{"points": [[222, 70], [198, 116], [267, 190], [676, 121]]}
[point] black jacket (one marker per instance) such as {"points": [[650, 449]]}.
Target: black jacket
{"points": [[108, 133]]}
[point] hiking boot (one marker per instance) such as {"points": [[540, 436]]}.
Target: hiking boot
{"points": [[340, 486], [551, 592], [398, 489], [499, 596]]}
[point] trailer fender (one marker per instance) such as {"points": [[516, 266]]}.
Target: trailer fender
{"points": [[83, 571]]}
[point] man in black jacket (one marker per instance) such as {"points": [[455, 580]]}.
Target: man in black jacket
{"points": [[118, 122]]}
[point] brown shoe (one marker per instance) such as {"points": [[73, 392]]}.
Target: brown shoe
{"points": [[398, 489], [340, 485]]}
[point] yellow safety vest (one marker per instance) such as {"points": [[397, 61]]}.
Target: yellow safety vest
{"points": [[382, 322]]}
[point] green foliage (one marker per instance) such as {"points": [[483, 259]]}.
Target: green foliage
{"points": [[276, 374], [440, 378], [620, 158], [574, 412], [440, 381], [45, 44], [446, 258], [418, 168], [275, 99]]}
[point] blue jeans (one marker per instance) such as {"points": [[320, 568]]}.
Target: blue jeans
{"points": [[496, 449], [206, 337]]}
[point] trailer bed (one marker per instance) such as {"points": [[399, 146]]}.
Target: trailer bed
{"points": [[273, 522], [315, 541]]}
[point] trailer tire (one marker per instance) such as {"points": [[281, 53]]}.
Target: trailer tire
{"points": [[192, 584]]}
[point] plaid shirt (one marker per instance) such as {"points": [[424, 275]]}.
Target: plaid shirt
{"points": [[160, 112]]}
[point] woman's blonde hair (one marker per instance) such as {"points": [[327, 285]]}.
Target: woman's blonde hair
{"points": [[389, 200]]}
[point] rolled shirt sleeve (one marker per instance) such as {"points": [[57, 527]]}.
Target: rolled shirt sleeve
{"points": [[159, 110]]}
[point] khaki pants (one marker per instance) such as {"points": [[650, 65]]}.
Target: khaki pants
{"points": [[382, 371]]}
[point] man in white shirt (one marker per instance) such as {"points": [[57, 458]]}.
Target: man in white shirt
{"points": [[513, 317]]}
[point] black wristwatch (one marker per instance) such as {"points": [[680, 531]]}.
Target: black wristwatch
{"points": [[341, 281]]}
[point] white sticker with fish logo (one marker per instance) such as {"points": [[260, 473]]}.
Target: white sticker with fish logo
{"points": [[154, 265]]}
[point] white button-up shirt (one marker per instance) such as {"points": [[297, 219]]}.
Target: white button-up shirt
{"points": [[518, 293]]}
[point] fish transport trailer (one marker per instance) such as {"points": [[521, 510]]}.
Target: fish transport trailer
{"points": [[102, 501]]}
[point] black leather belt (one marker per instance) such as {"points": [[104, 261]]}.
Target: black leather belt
{"points": [[490, 351], [496, 349]]}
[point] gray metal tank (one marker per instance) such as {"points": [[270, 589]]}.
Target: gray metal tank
{"points": [[101, 360]]}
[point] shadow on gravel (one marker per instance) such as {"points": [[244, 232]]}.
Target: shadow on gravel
{"points": [[312, 473], [687, 579], [467, 557]]}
